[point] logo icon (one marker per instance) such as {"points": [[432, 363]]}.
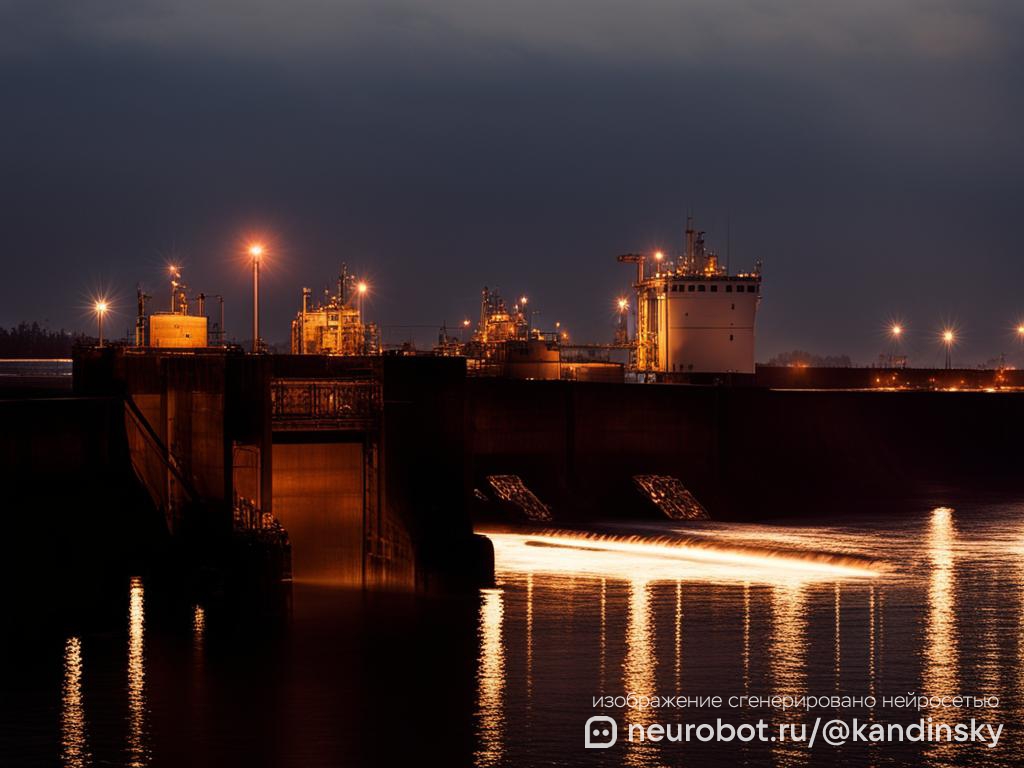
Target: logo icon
{"points": [[600, 732]]}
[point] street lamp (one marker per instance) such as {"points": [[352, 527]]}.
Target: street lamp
{"points": [[622, 329], [361, 289], [101, 308], [658, 258], [896, 332], [949, 338], [256, 252], [175, 277]]}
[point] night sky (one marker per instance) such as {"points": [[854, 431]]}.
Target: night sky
{"points": [[869, 152]]}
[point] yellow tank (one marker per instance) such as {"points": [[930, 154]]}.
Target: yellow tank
{"points": [[167, 330]]}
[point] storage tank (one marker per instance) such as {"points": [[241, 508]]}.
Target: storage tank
{"points": [[174, 330]]}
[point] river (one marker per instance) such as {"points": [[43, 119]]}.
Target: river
{"points": [[929, 602]]}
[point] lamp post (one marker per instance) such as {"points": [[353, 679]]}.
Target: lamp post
{"points": [[361, 289], [948, 338], [896, 331], [622, 331], [175, 277], [101, 309], [256, 252]]}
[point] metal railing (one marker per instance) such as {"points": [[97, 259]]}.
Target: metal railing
{"points": [[325, 403]]}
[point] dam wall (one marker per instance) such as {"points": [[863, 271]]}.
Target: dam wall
{"points": [[745, 452], [371, 464], [816, 377], [374, 494], [360, 459]]}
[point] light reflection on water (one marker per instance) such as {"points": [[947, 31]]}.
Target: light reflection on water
{"points": [[639, 666], [931, 603], [872, 611], [491, 676], [75, 753], [940, 667], [787, 649], [138, 741]]}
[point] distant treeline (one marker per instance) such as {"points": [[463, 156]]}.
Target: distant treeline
{"points": [[799, 357], [32, 340]]}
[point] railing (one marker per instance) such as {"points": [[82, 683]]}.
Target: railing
{"points": [[263, 533], [325, 403]]}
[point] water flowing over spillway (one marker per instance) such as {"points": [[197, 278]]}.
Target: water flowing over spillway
{"points": [[678, 554]]}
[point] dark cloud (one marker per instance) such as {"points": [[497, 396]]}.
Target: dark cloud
{"points": [[867, 152]]}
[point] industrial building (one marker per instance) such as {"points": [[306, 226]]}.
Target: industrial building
{"points": [[692, 316], [335, 325]]}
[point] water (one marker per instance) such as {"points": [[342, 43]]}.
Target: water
{"points": [[929, 603], [31, 368]]}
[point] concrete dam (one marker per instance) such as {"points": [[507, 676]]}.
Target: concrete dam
{"points": [[373, 470]]}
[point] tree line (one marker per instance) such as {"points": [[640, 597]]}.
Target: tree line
{"points": [[33, 340]]}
